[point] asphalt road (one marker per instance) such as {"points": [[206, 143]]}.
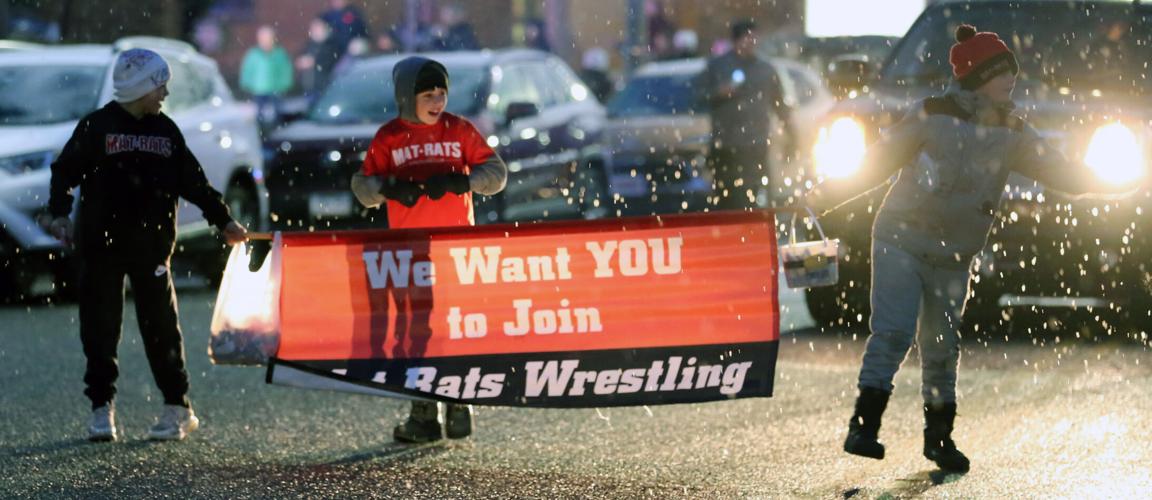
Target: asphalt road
{"points": [[1050, 417]]}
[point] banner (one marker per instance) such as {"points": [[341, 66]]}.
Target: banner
{"points": [[631, 311]]}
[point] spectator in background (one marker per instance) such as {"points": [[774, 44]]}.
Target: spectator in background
{"points": [[720, 47], [743, 93], [536, 35], [387, 43], [266, 74], [594, 72], [346, 23], [685, 44], [660, 46], [357, 49], [318, 59], [208, 35], [660, 29], [454, 32]]}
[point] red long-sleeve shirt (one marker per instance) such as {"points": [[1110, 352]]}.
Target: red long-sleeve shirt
{"points": [[415, 152]]}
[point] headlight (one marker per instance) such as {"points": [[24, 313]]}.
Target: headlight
{"points": [[28, 162], [839, 148], [1114, 154]]}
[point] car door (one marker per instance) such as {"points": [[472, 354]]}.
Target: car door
{"points": [[209, 124], [570, 120], [542, 160], [519, 142]]}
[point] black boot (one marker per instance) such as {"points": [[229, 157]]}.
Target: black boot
{"points": [[938, 444], [864, 428], [424, 424], [458, 424]]}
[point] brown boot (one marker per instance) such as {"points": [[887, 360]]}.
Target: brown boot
{"points": [[459, 421], [424, 424]]}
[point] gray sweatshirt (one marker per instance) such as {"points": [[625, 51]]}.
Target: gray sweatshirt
{"points": [[954, 154]]}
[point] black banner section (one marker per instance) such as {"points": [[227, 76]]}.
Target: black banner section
{"points": [[585, 379]]}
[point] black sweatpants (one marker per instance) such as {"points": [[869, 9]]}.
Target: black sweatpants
{"points": [[101, 315], [737, 174]]}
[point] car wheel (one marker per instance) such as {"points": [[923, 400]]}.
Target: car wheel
{"points": [[592, 192], [245, 209], [242, 202], [838, 307]]}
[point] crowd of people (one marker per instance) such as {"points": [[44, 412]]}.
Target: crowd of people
{"points": [[341, 34]]}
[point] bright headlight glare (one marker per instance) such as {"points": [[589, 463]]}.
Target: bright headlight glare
{"points": [[1114, 154], [839, 148]]}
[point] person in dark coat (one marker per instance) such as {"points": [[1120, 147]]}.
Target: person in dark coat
{"points": [[132, 166], [745, 98], [346, 23]]}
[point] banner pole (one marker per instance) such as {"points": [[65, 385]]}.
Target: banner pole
{"points": [[260, 236]]}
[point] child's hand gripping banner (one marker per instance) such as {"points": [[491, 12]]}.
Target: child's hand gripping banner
{"points": [[634, 311]]}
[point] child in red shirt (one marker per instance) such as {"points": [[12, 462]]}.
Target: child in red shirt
{"points": [[425, 164]]}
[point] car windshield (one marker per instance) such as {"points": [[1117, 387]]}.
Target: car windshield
{"points": [[365, 94], [655, 95], [1068, 45], [38, 95]]}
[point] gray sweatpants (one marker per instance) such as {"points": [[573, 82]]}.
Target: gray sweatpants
{"points": [[914, 300]]}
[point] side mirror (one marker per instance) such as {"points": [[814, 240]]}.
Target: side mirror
{"points": [[848, 73], [518, 110]]}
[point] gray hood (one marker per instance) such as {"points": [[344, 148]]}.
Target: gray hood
{"points": [[404, 81]]}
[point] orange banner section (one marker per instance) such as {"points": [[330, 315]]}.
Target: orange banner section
{"points": [[682, 280]]}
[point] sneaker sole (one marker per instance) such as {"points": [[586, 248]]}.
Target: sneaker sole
{"points": [[399, 439], [192, 426]]}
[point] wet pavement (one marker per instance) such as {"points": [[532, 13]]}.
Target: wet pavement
{"points": [[1051, 417]]}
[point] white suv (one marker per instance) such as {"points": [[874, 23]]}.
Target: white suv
{"points": [[44, 91]]}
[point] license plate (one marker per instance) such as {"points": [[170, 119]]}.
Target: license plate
{"points": [[626, 185], [330, 204]]}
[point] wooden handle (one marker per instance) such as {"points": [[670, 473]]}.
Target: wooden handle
{"points": [[260, 236]]}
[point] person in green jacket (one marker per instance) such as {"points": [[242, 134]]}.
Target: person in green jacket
{"points": [[266, 74]]}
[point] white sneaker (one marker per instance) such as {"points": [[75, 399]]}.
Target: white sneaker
{"points": [[102, 424], [174, 424]]}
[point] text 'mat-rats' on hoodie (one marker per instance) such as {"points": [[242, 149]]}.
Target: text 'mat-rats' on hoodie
{"points": [[407, 149]]}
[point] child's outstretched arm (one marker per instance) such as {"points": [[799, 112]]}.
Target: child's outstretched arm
{"points": [[1035, 158], [895, 149]]}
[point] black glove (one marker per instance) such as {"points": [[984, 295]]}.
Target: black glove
{"points": [[407, 193], [439, 185]]}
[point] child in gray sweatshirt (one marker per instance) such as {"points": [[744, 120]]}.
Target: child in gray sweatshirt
{"points": [[953, 154]]}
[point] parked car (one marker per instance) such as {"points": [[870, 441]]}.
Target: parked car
{"points": [[534, 110], [43, 94], [6, 45], [1083, 85], [840, 59], [656, 141]]}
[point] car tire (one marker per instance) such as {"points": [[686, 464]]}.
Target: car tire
{"points": [[240, 197], [592, 191], [838, 307], [243, 203]]}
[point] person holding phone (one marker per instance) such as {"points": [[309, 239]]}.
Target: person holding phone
{"points": [[743, 94]]}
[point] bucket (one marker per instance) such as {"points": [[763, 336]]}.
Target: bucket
{"points": [[810, 263]]}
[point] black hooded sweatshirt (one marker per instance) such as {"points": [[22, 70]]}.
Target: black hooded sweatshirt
{"points": [[131, 173]]}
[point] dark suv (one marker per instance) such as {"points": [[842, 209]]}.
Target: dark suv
{"points": [[1084, 85], [534, 110]]}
